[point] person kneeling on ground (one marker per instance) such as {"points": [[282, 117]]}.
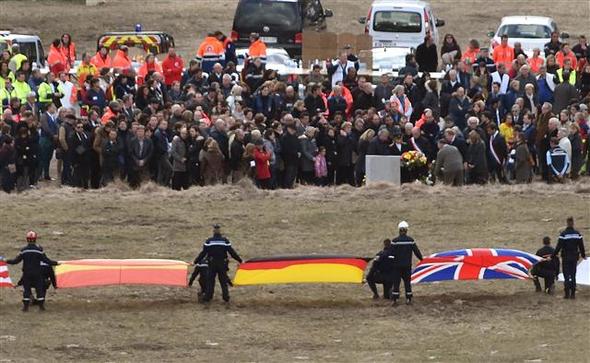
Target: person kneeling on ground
{"points": [[380, 272]]}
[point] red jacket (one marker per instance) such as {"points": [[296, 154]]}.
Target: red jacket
{"points": [[262, 164], [172, 68]]}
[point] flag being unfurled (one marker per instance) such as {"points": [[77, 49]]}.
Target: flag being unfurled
{"points": [[475, 264], [5, 280]]}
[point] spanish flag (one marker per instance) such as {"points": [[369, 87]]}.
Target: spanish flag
{"points": [[301, 269], [95, 272]]}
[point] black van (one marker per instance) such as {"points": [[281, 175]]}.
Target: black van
{"points": [[280, 23]]}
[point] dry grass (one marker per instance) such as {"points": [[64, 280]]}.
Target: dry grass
{"points": [[496, 321]]}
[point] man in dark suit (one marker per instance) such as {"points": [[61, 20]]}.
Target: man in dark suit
{"points": [[141, 150], [458, 142], [398, 146], [81, 146], [49, 138], [497, 153], [127, 109], [421, 144]]}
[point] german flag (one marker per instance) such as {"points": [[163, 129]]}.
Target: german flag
{"points": [[96, 272], [301, 269]]}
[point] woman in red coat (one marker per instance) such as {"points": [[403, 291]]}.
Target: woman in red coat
{"points": [[262, 160]]}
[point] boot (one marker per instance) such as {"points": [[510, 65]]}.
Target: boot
{"points": [[408, 301], [41, 305], [537, 285], [394, 304], [567, 294], [25, 306], [551, 290], [573, 294], [375, 296]]}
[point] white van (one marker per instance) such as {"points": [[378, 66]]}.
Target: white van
{"points": [[405, 23], [30, 46]]}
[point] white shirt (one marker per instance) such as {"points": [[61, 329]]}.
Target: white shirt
{"points": [[68, 89], [504, 81], [341, 71], [566, 145]]}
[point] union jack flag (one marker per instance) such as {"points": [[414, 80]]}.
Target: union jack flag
{"points": [[475, 264], [5, 280]]}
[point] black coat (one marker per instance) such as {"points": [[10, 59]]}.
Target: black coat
{"points": [[32, 255], [402, 248], [476, 157], [427, 58], [336, 104], [144, 155], [235, 154], [500, 148], [460, 144], [81, 147], [361, 100], [290, 149], [314, 105], [345, 147], [378, 147], [110, 154], [25, 155], [397, 151]]}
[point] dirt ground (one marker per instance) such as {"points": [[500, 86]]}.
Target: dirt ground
{"points": [[492, 321], [189, 21]]}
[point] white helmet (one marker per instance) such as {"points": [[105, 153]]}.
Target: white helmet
{"points": [[403, 225]]}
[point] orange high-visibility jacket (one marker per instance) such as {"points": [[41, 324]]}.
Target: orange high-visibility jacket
{"points": [[211, 49], [504, 55], [560, 58], [121, 60], [535, 63], [470, 54], [56, 61], [101, 62], [257, 50], [69, 52], [146, 68]]}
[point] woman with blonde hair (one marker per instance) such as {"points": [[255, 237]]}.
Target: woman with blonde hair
{"points": [[211, 159], [363, 145]]}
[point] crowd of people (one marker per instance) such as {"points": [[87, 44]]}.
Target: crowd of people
{"points": [[508, 118]]}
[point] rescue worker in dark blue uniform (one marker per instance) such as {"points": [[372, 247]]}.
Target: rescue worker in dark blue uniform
{"points": [[571, 246], [380, 272], [401, 250], [548, 268], [32, 255], [215, 251]]}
